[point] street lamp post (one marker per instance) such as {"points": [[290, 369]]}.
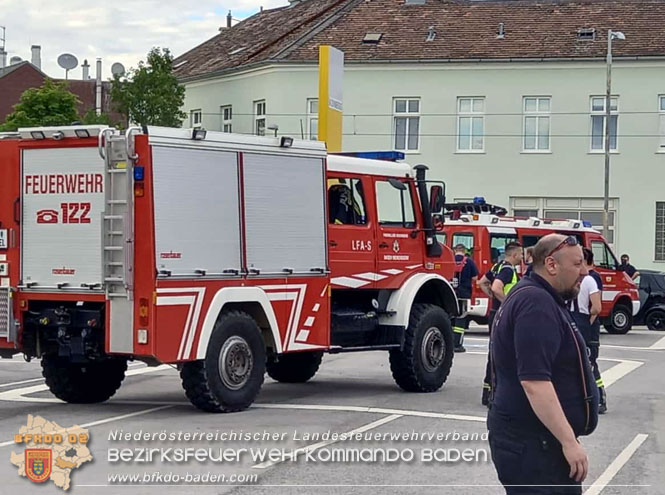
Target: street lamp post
{"points": [[611, 35]]}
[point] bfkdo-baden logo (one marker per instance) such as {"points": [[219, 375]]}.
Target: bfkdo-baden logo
{"points": [[52, 452]]}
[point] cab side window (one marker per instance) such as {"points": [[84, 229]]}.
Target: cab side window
{"points": [[394, 205], [465, 238], [346, 202], [602, 256]]}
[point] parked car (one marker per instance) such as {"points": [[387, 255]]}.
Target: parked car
{"points": [[651, 285]]}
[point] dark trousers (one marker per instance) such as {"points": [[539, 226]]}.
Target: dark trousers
{"points": [[528, 460], [460, 326], [487, 382], [591, 334]]}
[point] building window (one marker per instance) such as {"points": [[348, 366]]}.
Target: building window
{"points": [[406, 123], [536, 123], [660, 231], [313, 118], [471, 124], [598, 122], [583, 209], [195, 117], [260, 118], [661, 115], [227, 117]]}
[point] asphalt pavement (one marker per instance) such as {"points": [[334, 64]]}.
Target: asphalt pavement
{"points": [[396, 442]]}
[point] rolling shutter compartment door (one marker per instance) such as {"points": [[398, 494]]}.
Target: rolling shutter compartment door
{"points": [[197, 219], [284, 213], [63, 202]]}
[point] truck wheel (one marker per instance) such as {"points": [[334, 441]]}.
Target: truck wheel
{"points": [[231, 375], [297, 367], [621, 320], [424, 362], [655, 320], [85, 383]]}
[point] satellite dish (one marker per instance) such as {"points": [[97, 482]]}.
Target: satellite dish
{"points": [[67, 61], [117, 69], [15, 60]]}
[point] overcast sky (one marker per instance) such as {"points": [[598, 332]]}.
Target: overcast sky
{"points": [[115, 30]]}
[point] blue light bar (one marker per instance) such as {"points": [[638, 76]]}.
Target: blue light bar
{"points": [[586, 223], [391, 156], [479, 200]]}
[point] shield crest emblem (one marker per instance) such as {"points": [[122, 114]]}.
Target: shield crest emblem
{"points": [[38, 464]]}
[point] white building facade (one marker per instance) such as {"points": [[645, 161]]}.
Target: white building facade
{"points": [[525, 134]]}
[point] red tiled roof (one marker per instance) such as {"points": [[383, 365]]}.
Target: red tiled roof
{"points": [[465, 30]]}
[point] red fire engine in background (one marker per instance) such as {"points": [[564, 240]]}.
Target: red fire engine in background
{"points": [[227, 255], [485, 230]]}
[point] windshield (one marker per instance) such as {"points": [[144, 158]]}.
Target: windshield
{"points": [[498, 245]]}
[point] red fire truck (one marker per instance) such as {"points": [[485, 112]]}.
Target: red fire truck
{"points": [[225, 254], [485, 230]]}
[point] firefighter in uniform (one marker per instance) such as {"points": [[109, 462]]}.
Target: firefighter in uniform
{"points": [[505, 279], [585, 310], [466, 274]]}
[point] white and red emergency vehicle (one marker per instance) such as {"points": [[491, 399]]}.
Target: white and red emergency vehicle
{"points": [[485, 230], [219, 253]]}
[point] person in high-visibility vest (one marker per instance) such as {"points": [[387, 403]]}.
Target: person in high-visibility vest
{"points": [[504, 280]]}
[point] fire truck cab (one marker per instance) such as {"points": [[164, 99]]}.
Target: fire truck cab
{"points": [[227, 255], [485, 231]]}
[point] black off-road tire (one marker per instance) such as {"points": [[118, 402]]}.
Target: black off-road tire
{"points": [[297, 367], [410, 367], [88, 383], [620, 321], [655, 320], [212, 389]]}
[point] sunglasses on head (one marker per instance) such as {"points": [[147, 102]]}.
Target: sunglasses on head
{"points": [[571, 240]]}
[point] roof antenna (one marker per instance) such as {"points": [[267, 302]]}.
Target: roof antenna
{"points": [[501, 33]]}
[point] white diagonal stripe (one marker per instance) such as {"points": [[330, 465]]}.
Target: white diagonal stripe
{"points": [[302, 335], [354, 283], [309, 321], [392, 271], [370, 276]]}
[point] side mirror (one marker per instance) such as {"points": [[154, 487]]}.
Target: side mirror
{"points": [[436, 199]]}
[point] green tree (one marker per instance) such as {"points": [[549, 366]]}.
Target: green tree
{"points": [[150, 94], [52, 104], [91, 118]]}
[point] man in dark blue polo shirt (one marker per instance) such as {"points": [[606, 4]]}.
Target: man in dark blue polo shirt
{"points": [[543, 388], [466, 274]]}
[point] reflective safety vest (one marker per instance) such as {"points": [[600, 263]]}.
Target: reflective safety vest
{"points": [[507, 287]]}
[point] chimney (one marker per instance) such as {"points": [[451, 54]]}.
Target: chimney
{"points": [[3, 58], [36, 56], [86, 70], [229, 19], [98, 99]]}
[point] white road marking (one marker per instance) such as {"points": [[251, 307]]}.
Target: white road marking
{"points": [[373, 410], [315, 446], [631, 348], [611, 471], [659, 345], [18, 394], [615, 373], [107, 420], [21, 382]]}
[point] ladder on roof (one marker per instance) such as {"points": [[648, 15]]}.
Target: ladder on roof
{"points": [[118, 241]]}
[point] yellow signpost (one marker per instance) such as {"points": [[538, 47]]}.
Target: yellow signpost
{"points": [[331, 74]]}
